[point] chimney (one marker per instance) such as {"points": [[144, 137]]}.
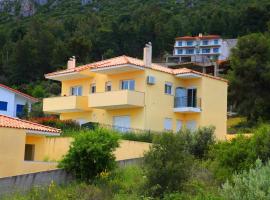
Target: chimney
{"points": [[200, 34], [71, 64], [147, 54]]}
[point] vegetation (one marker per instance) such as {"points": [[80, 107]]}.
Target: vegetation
{"points": [[33, 46], [250, 77], [90, 154], [250, 185], [226, 170]]}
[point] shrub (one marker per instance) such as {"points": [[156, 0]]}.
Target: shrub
{"points": [[167, 164], [249, 185], [142, 137], [228, 157], [200, 141], [91, 153], [57, 123]]}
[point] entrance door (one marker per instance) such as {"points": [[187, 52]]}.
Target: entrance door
{"points": [[121, 123], [180, 97]]}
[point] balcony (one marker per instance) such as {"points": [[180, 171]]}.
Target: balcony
{"points": [[116, 99], [187, 105], [65, 104]]}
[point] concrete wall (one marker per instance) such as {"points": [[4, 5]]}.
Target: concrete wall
{"points": [[23, 183]]}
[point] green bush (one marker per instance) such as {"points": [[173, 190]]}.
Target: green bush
{"points": [[167, 164], [199, 141], [90, 154], [142, 137], [249, 185]]}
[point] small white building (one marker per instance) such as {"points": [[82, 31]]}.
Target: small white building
{"points": [[13, 101]]}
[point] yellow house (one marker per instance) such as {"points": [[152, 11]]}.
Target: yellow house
{"points": [[130, 94], [21, 146]]}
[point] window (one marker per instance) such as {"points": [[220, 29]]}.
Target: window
{"points": [[179, 51], [192, 97], [216, 50], [3, 105], [215, 41], [191, 125], [76, 91], [29, 152], [178, 125], [122, 123], [179, 43], [19, 110], [190, 51], [205, 42], [108, 86], [168, 88], [189, 43], [197, 50], [168, 124], [205, 50], [128, 85], [93, 88]]}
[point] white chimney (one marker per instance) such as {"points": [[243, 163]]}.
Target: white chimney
{"points": [[147, 54], [71, 64], [200, 34]]}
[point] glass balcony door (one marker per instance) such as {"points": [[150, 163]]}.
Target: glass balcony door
{"points": [[185, 97]]}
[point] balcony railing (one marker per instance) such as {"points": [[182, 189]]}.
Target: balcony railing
{"points": [[187, 104]]}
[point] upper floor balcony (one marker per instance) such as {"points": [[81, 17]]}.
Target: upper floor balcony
{"points": [[65, 104], [187, 104], [116, 99]]}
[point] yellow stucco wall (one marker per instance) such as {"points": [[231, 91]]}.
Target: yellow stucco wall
{"points": [[158, 105], [12, 146]]}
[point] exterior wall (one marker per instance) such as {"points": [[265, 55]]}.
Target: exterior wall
{"points": [[12, 99], [56, 148], [212, 94], [101, 115], [12, 144], [9, 97], [214, 105]]}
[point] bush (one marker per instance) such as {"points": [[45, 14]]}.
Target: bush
{"points": [[57, 123], [142, 137], [249, 185], [200, 141], [228, 157], [167, 164], [90, 154]]}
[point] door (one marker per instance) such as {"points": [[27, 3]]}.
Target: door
{"points": [[192, 97], [121, 123], [29, 152], [180, 97]]}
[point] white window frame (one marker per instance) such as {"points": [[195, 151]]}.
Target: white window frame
{"points": [[76, 90], [167, 124], [128, 84], [165, 88]]}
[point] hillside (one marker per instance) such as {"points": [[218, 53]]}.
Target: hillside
{"points": [[38, 36]]}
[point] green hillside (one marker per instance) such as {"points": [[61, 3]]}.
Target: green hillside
{"points": [[34, 45]]}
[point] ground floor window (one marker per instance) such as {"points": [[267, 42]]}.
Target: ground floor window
{"points": [[191, 125], [179, 124], [29, 152], [122, 123], [167, 124]]}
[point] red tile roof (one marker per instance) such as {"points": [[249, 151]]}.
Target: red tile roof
{"points": [[19, 93], [122, 60], [11, 122], [198, 37]]}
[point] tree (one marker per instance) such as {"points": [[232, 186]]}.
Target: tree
{"points": [[90, 154], [250, 77], [167, 164]]}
